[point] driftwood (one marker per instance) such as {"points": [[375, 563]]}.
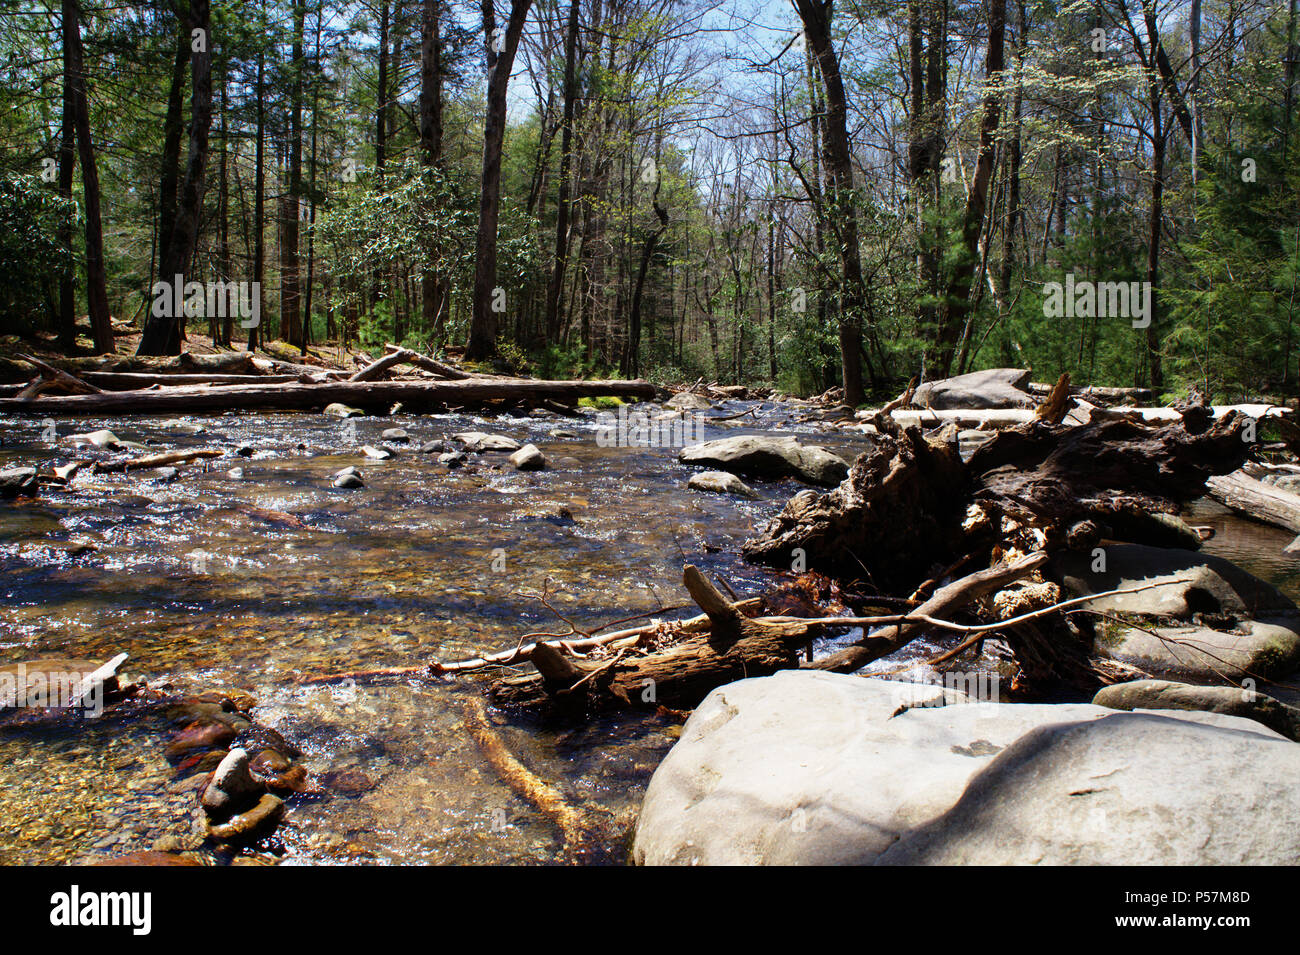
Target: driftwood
{"points": [[431, 366], [1096, 393], [59, 376], [377, 394], [912, 504], [155, 460], [634, 674], [1255, 499]]}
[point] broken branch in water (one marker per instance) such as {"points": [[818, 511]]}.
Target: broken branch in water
{"points": [[155, 461]]}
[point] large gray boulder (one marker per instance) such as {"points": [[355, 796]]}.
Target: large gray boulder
{"points": [[1201, 619], [820, 768], [769, 456], [992, 388], [1122, 790]]}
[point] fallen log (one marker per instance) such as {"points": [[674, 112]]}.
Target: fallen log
{"points": [[315, 396], [376, 368], [60, 377], [229, 363], [1097, 394], [734, 647], [133, 380], [1263, 502], [434, 367]]}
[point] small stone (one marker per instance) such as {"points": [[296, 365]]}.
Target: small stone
{"points": [[16, 481], [262, 818], [376, 454], [235, 474], [349, 478], [433, 447], [720, 482], [528, 458], [481, 441], [339, 410], [348, 782], [452, 459], [199, 736], [396, 435], [233, 786], [244, 451]]}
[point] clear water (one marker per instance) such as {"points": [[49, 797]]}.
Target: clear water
{"points": [[204, 588]]}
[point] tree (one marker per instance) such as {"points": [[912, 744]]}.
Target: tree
{"points": [[74, 77], [501, 48], [816, 16]]}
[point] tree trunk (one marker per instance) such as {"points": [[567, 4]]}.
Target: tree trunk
{"points": [[816, 16], [957, 302], [162, 334], [67, 162], [97, 287], [500, 59], [290, 291], [556, 281]]}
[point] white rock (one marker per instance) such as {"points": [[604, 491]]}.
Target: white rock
{"points": [[482, 441], [821, 768], [528, 458]]}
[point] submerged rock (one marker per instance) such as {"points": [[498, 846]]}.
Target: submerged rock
{"points": [[348, 782], [349, 478], [720, 482], [820, 768], [768, 456], [528, 458], [452, 459]]}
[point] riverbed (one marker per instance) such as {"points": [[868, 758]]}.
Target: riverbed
{"points": [[205, 583]]}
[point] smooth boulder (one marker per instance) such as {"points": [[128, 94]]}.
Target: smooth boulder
{"points": [[18, 481], [819, 768], [991, 388], [1201, 618], [685, 401], [769, 456]]}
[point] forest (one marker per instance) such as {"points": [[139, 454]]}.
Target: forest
{"points": [[808, 195]]}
